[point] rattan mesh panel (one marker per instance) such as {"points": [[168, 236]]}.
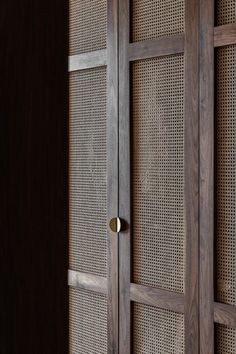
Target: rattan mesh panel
{"points": [[87, 25], [225, 12], [225, 340], [87, 244], [158, 172], [226, 174], [155, 18], [157, 330], [88, 322]]}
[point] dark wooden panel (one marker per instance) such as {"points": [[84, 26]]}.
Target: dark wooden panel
{"points": [[87, 281], [191, 174], [225, 35], [156, 297], [88, 60], [112, 171], [158, 47], [225, 314], [34, 243], [206, 228], [124, 178]]}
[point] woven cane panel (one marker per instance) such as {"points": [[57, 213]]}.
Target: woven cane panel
{"points": [[225, 340], [87, 243], [158, 172], [226, 174], [156, 18], [225, 12], [87, 25], [87, 322], [157, 330]]}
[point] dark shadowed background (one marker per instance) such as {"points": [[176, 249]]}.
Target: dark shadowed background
{"points": [[33, 140]]}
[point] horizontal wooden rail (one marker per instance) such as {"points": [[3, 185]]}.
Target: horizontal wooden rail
{"points": [[156, 297], [157, 47], [138, 293], [87, 281], [225, 35], [225, 314], [88, 60]]}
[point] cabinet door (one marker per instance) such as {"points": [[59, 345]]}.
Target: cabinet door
{"points": [[158, 176], [93, 182]]}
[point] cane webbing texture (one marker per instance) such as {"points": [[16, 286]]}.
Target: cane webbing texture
{"points": [[225, 12], [87, 25], [158, 172], [156, 330], [87, 179], [87, 322], [225, 340], [226, 174], [156, 18]]}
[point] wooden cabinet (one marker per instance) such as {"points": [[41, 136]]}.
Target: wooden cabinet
{"points": [[152, 119]]}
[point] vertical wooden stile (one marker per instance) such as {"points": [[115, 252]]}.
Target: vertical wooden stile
{"points": [[206, 178], [112, 170], [191, 151], [124, 179]]}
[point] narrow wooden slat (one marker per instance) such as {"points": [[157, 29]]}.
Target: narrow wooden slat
{"points": [[124, 179], [225, 314], [112, 175], [191, 150], [159, 47], [88, 60], [87, 281], [157, 297], [225, 35], [206, 210]]}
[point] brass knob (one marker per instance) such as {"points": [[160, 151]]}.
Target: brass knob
{"points": [[115, 224]]}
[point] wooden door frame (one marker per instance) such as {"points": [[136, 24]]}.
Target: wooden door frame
{"points": [[197, 303]]}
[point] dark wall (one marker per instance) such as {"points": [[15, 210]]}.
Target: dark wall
{"points": [[33, 193]]}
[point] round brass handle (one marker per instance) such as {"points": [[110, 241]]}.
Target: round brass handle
{"points": [[115, 224]]}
